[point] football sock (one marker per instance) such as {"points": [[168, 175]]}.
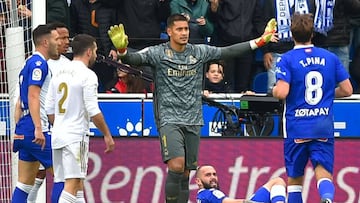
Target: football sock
{"points": [[326, 188], [184, 190], [20, 193], [80, 197], [294, 194], [172, 186], [56, 191], [66, 197], [34, 190], [261, 195]]}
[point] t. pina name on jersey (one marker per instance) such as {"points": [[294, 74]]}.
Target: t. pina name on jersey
{"points": [[311, 112], [312, 61]]}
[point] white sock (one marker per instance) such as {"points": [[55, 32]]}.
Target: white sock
{"points": [[34, 190], [23, 187], [66, 197], [80, 197]]}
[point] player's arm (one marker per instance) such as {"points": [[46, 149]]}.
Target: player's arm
{"points": [[92, 107], [34, 108], [344, 89], [281, 89], [100, 123], [229, 200], [243, 47], [17, 111]]}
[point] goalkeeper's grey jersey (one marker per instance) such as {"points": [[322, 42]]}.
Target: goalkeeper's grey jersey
{"points": [[178, 81]]}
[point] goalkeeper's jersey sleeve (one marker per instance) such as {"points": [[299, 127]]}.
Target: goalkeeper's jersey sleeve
{"points": [[313, 74], [178, 80]]}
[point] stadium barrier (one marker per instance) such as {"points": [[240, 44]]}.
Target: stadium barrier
{"points": [[134, 172]]}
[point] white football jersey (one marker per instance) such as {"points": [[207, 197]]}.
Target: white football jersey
{"points": [[55, 65], [72, 98]]}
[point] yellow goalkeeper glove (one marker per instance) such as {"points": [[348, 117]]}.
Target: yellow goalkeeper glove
{"points": [[269, 31], [119, 38]]}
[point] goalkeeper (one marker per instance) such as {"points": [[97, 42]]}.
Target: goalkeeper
{"points": [[178, 75]]}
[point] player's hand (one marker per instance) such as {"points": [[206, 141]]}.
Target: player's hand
{"points": [[110, 144], [39, 137], [269, 34], [119, 38]]}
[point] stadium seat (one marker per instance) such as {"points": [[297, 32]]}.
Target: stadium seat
{"points": [[260, 83]]}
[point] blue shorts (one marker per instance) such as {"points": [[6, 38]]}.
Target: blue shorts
{"points": [[318, 151], [29, 151]]}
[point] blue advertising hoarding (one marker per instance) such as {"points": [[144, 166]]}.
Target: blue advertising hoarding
{"points": [[134, 117]]}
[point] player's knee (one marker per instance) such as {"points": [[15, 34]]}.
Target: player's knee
{"points": [[279, 181], [176, 165], [41, 174]]}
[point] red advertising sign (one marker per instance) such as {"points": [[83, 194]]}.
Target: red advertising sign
{"points": [[134, 173]]}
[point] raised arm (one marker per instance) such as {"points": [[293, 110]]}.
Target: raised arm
{"points": [[243, 47], [120, 41]]}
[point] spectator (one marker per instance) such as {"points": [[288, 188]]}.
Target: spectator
{"points": [[214, 78], [355, 50], [355, 68], [273, 51], [58, 11], [141, 19], [24, 12], [237, 21], [127, 83], [94, 18], [197, 12], [337, 40]]}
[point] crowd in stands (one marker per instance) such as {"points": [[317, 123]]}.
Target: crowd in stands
{"points": [[214, 22]]}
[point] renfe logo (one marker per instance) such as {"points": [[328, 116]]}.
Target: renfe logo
{"points": [[134, 172]]}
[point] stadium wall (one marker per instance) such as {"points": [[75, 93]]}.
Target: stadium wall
{"points": [[134, 172]]}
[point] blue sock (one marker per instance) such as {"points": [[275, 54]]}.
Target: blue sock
{"points": [[57, 189], [21, 193], [326, 188], [278, 199], [294, 194], [261, 195]]}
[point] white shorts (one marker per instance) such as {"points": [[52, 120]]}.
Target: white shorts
{"points": [[71, 161]]}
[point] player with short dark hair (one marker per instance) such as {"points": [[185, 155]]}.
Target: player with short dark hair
{"points": [[209, 190], [178, 75], [70, 104], [54, 64], [31, 139], [308, 79]]}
